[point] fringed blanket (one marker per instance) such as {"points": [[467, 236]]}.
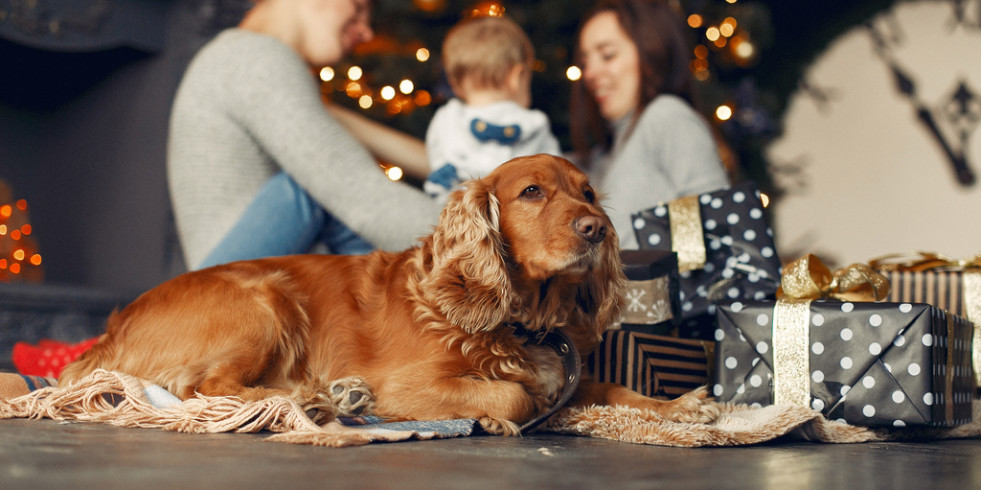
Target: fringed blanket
{"points": [[122, 400]]}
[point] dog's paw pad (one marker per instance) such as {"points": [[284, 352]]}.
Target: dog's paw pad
{"points": [[351, 396]]}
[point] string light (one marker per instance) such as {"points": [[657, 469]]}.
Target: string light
{"points": [[326, 73], [406, 86], [723, 112], [422, 54], [387, 92], [354, 73], [573, 73]]}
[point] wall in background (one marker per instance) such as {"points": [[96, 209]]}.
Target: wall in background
{"points": [[863, 174]]}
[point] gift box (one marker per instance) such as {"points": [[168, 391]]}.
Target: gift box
{"points": [[652, 291], [872, 364], [949, 284], [652, 365], [724, 245]]}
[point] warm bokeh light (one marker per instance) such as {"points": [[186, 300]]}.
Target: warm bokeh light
{"points": [[406, 86], [701, 51], [573, 73], [22, 205], [326, 73], [712, 33], [354, 73], [387, 92], [488, 9], [743, 48], [394, 173], [365, 101], [15, 235], [728, 27], [18, 254], [3, 230], [695, 21], [422, 54], [26, 229], [15, 268], [353, 90], [6, 211], [36, 259], [423, 98], [3, 263], [723, 112], [765, 199]]}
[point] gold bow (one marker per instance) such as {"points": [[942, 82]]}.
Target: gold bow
{"points": [[922, 261], [808, 278]]}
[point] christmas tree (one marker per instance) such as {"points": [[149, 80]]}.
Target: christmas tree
{"points": [[20, 260]]}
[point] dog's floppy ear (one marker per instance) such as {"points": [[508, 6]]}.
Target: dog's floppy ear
{"points": [[601, 295], [469, 282]]}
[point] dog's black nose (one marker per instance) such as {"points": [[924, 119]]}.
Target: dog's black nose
{"points": [[591, 228]]}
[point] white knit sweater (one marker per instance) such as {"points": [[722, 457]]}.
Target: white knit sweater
{"points": [[248, 107]]}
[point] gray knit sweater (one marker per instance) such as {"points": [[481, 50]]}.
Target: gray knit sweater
{"points": [[248, 107], [669, 154]]}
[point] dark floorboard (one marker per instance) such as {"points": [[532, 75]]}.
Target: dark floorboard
{"points": [[46, 454]]}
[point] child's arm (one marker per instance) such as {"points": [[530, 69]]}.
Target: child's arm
{"points": [[385, 143]]}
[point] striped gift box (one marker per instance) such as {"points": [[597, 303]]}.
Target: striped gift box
{"points": [[941, 288], [652, 365]]}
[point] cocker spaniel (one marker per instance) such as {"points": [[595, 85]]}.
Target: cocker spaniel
{"points": [[424, 334]]}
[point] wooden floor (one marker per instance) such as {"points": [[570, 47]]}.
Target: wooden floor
{"points": [[49, 455]]}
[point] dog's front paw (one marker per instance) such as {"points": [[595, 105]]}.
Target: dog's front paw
{"points": [[351, 396], [499, 427], [693, 407]]}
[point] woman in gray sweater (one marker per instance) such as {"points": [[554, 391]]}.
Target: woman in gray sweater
{"points": [[635, 103], [257, 166]]}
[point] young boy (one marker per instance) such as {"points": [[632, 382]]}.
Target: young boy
{"points": [[488, 64]]}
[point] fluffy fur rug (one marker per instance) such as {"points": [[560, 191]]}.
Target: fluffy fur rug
{"points": [[122, 400]]}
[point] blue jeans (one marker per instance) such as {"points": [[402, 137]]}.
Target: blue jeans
{"points": [[284, 220]]}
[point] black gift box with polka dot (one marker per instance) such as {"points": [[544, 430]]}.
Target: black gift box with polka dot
{"points": [[741, 260], [870, 364]]}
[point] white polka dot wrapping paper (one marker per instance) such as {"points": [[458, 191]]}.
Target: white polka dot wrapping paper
{"points": [[870, 364], [724, 243]]}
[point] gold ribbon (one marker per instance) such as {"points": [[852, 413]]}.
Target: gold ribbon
{"points": [[922, 261], [808, 278], [949, 373], [802, 281], [972, 304], [791, 362], [687, 239]]}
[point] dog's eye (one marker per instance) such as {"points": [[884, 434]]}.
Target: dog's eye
{"points": [[532, 192], [589, 195]]}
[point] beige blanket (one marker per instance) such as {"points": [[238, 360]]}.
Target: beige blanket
{"points": [[122, 400]]}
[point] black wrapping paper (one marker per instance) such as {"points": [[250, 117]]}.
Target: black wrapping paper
{"points": [[872, 364], [651, 298], [741, 260]]}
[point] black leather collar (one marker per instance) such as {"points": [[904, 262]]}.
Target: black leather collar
{"points": [[563, 346]]}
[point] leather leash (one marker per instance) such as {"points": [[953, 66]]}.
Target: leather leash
{"points": [[563, 346]]}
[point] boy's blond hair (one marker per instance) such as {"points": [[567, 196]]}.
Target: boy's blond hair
{"points": [[483, 50]]}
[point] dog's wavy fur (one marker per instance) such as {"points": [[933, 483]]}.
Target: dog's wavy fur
{"points": [[429, 330]]}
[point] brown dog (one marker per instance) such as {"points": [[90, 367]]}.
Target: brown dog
{"points": [[431, 330]]}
